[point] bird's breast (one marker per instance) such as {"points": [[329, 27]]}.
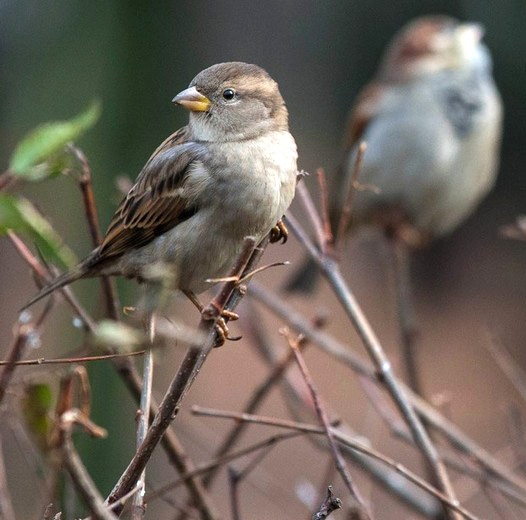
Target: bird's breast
{"points": [[255, 182]]}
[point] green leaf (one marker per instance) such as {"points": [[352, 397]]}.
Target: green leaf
{"points": [[48, 139], [18, 214], [36, 407]]}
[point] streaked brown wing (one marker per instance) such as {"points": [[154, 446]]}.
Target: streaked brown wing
{"points": [[155, 202]]}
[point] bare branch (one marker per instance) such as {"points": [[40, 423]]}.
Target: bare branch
{"points": [[345, 216], [344, 440], [138, 509], [382, 365], [190, 366], [6, 506], [400, 260], [23, 334], [86, 187], [127, 370], [345, 355], [71, 360], [83, 482], [359, 508], [328, 506], [324, 209], [308, 203]]}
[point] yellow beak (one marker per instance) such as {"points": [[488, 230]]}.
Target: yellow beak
{"points": [[192, 100]]}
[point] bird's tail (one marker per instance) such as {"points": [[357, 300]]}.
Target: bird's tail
{"points": [[305, 279], [60, 281]]}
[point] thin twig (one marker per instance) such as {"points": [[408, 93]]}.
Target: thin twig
{"points": [[6, 506], [128, 372], [138, 508], [188, 370], [345, 215], [41, 273], [382, 365], [233, 480], [23, 334], [251, 406], [401, 265], [340, 437], [221, 461], [359, 506], [345, 355], [86, 187], [83, 482], [302, 407], [502, 357], [328, 506], [72, 360], [308, 203], [324, 209]]}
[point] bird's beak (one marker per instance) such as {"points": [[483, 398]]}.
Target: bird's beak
{"points": [[192, 100]]}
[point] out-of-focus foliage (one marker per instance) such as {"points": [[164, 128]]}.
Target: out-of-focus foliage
{"points": [[118, 336], [18, 214], [36, 408], [48, 139]]}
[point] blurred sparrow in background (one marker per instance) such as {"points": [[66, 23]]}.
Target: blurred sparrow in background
{"points": [[230, 173], [432, 123]]}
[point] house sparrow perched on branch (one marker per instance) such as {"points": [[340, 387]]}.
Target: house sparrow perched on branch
{"points": [[432, 123], [230, 173]]}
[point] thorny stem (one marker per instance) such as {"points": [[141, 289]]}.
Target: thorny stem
{"points": [[382, 365]]}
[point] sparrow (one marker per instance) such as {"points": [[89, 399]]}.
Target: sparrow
{"points": [[432, 120], [230, 173]]}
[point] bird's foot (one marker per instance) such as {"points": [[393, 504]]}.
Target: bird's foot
{"points": [[279, 232], [222, 332]]}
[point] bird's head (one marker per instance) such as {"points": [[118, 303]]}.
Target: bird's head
{"points": [[233, 101], [433, 44]]}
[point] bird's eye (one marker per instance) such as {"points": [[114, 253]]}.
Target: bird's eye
{"points": [[229, 94]]}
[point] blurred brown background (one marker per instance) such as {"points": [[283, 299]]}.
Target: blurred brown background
{"points": [[135, 56]]}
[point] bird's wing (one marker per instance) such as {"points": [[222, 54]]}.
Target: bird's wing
{"points": [[156, 202], [364, 110]]}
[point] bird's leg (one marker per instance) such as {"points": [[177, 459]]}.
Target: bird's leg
{"points": [[221, 327], [279, 232]]}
